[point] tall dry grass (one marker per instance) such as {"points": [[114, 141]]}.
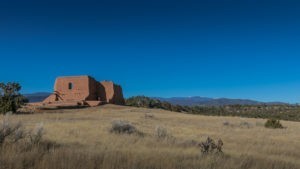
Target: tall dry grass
{"points": [[81, 139]]}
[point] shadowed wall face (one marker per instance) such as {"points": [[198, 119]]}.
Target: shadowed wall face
{"points": [[113, 93]]}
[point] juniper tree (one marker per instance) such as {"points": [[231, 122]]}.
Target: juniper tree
{"points": [[10, 97]]}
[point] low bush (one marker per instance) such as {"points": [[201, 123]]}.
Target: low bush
{"points": [[209, 146], [120, 126], [161, 132], [226, 123], [14, 132], [245, 124], [37, 134], [149, 116], [10, 132], [272, 123]]}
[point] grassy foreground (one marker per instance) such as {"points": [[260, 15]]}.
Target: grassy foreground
{"points": [[80, 139]]}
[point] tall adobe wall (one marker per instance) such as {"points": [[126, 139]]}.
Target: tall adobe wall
{"points": [[76, 88], [113, 93]]}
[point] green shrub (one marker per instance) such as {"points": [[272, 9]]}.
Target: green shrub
{"points": [[147, 102], [272, 123], [10, 97]]}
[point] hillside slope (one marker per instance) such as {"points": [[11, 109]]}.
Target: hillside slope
{"points": [[245, 140]]}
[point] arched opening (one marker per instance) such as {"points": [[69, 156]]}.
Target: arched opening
{"points": [[70, 86]]}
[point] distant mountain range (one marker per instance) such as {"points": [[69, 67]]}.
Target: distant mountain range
{"points": [[204, 101], [37, 97], [183, 101]]}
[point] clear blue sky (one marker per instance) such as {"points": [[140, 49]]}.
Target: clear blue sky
{"points": [[214, 48]]}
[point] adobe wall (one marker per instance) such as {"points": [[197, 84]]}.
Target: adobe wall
{"points": [[87, 89], [51, 98], [93, 90], [118, 97], [113, 93], [80, 88]]}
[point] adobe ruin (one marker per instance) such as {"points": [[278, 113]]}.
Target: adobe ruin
{"points": [[84, 90]]}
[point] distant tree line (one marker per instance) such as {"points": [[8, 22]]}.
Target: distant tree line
{"points": [[147, 102], [280, 112]]}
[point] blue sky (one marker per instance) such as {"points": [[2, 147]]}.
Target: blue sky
{"points": [[214, 48]]}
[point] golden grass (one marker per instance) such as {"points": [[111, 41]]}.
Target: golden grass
{"points": [[85, 135]]}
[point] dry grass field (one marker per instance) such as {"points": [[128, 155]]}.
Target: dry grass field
{"points": [[81, 139]]}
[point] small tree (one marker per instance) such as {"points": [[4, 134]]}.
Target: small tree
{"points": [[273, 123], [10, 98]]}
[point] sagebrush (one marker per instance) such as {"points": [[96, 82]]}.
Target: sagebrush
{"points": [[273, 123]]}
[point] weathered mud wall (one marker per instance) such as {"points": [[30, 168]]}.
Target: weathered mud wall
{"points": [[85, 88]]}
